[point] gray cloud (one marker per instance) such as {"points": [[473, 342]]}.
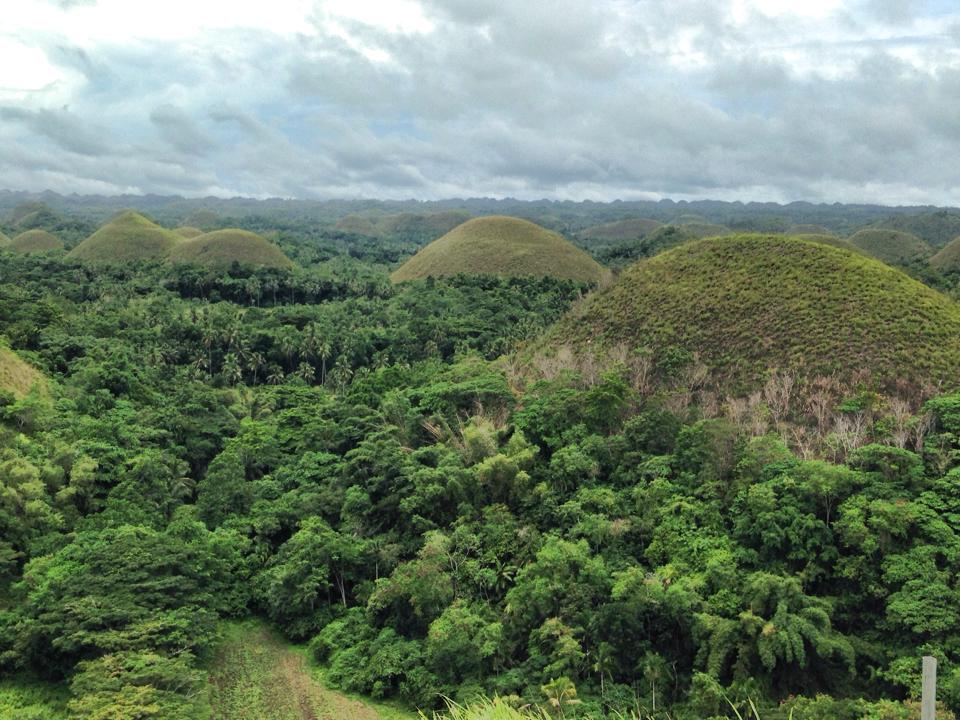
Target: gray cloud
{"points": [[602, 100]]}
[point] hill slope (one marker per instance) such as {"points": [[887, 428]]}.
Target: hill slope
{"points": [[4, 241], [948, 259], [188, 232], [127, 237], [505, 246], [891, 246], [629, 229], [35, 241], [222, 248], [416, 225], [704, 229], [16, 376], [750, 303], [937, 228]]}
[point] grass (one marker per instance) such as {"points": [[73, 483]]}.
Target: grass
{"points": [[937, 228], [807, 229], [749, 303], [829, 239], [35, 241], [503, 246], [16, 376], [705, 229], [222, 248], [258, 676], [188, 232], [948, 258], [891, 246], [629, 229], [126, 238], [26, 698]]}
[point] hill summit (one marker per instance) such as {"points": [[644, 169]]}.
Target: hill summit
{"points": [[128, 237], [222, 248], [891, 246], [748, 304], [499, 245], [33, 242]]}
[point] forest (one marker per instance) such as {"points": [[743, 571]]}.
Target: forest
{"points": [[391, 478]]}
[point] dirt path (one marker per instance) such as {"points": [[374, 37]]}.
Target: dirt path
{"points": [[258, 677]]}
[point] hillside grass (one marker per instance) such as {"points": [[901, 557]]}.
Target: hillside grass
{"points": [[891, 246], [188, 232], [127, 238], [34, 242], [751, 303], [504, 246], [222, 248], [26, 698], [18, 377], [628, 229], [256, 675], [705, 229], [937, 228], [948, 259]]}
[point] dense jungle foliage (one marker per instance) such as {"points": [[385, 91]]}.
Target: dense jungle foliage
{"points": [[357, 463]]}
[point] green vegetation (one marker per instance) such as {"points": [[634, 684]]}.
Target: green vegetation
{"points": [[936, 228], [749, 305], [891, 246], [833, 240], [17, 377], [663, 238], [26, 698], [702, 229], [34, 242], [256, 675], [223, 248], [188, 232], [501, 246], [127, 237], [629, 229], [4, 240], [807, 229], [948, 259], [424, 226]]}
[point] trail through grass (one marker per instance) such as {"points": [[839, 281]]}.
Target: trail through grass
{"points": [[258, 676]]}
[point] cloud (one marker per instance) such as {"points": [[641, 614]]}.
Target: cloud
{"points": [[737, 99]]}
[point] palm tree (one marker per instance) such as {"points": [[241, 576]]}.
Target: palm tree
{"points": [[324, 350], [275, 375], [305, 372]]}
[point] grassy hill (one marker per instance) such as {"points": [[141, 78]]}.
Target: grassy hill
{"points": [[188, 232], [629, 229], [35, 241], [938, 228], [126, 238], [202, 218], [16, 376], [750, 303], [704, 229], [504, 246], [891, 246], [807, 229], [629, 251], [829, 239], [948, 259], [222, 248], [427, 225]]}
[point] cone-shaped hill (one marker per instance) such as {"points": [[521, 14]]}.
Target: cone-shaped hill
{"points": [[505, 246], [126, 238], [747, 304], [16, 376], [188, 232], [937, 228], [891, 246], [629, 229], [948, 259], [222, 248], [35, 241], [703, 229], [828, 239]]}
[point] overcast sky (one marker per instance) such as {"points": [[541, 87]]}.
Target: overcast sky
{"points": [[821, 100]]}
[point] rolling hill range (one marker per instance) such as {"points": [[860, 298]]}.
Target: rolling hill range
{"points": [[807, 229], [222, 248], [948, 259], [35, 241], [505, 246], [427, 225], [891, 246], [938, 228], [629, 229], [16, 376], [127, 237], [704, 229], [750, 303]]}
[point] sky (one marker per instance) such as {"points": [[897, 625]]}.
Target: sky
{"points": [[774, 100]]}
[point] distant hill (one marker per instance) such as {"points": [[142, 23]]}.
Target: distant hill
{"points": [[807, 229], [35, 241], [504, 246], [222, 248], [703, 229], [629, 229], [750, 303], [188, 232], [414, 225], [832, 240], [33, 215], [938, 228], [202, 218], [629, 251], [891, 246], [126, 238], [16, 376], [948, 259]]}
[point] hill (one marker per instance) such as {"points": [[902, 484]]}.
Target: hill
{"points": [[747, 304], [16, 376], [4, 241], [807, 229], [202, 218], [35, 241], [629, 251], [188, 232], [629, 229], [704, 229], [222, 248], [498, 245], [415, 225], [891, 246], [829, 239], [126, 238], [948, 259], [938, 228]]}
